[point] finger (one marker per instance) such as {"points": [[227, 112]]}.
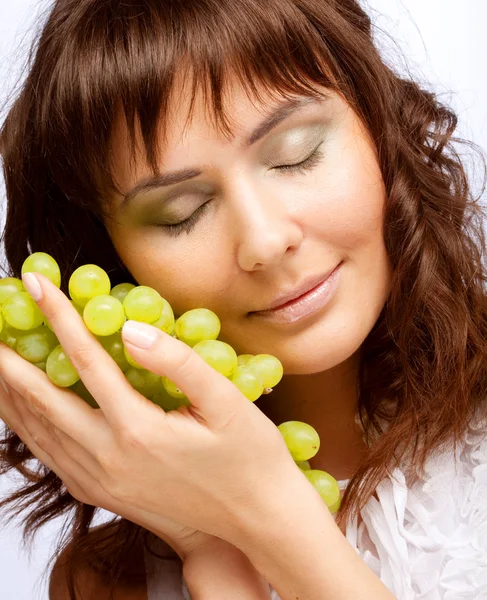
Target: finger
{"points": [[13, 417], [61, 407], [98, 371], [55, 442], [212, 395]]}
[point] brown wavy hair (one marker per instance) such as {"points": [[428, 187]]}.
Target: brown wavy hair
{"points": [[423, 373]]}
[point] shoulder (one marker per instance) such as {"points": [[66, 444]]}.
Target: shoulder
{"points": [[89, 584]]}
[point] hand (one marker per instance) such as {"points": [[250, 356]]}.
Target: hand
{"points": [[41, 437], [207, 467]]}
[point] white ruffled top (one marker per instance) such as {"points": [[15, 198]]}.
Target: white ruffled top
{"points": [[428, 542]]}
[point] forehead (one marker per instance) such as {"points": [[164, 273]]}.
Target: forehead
{"points": [[183, 125]]}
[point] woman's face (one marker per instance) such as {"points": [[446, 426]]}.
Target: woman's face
{"points": [[263, 230]]}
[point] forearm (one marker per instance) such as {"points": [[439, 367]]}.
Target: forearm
{"points": [[220, 574], [300, 550]]}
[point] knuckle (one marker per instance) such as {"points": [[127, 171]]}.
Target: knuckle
{"points": [[109, 463], [82, 359], [35, 400], [188, 365]]}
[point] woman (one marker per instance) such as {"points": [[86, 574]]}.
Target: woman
{"points": [[316, 161]]}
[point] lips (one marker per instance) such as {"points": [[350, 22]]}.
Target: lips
{"points": [[306, 286]]}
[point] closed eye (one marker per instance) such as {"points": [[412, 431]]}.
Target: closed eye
{"points": [[306, 165], [175, 229]]}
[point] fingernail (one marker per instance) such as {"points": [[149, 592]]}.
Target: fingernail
{"points": [[139, 334], [32, 286], [4, 385]]}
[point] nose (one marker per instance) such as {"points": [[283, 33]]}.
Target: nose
{"points": [[265, 226]]}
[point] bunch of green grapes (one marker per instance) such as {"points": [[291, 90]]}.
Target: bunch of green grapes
{"points": [[104, 309]]}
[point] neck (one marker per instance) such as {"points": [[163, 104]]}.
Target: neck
{"points": [[327, 401]]}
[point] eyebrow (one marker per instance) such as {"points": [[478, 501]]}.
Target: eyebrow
{"points": [[271, 121]]}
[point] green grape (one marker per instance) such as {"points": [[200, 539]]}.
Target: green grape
{"points": [[327, 487], [144, 381], [43, 263], [166, 321], [113, 344], [20, 311], [36, 345], [131, 360], [247, 382], [9, 335], [80, 390], [143, 304], [40, 365], [9, 286], [197, 325], [219, 355], [302, 440], [172, 389], [1, 322], [243, 359], [59, 368], [104, 315], [121, 290], [268, 368], [87, 282], [167, 402], [303, 465]]}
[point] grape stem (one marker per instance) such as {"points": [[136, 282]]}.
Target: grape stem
{"points": [[267, 391]]}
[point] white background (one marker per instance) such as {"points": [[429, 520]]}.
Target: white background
{"points": [[444, 43]]}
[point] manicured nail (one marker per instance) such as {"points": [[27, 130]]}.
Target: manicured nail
{"points": [[32, 286], [4, 385], [139, 334]]}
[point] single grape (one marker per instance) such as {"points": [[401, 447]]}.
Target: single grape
{"points": [[302, 440], [1, 322], [121, 290], [219, 355], [43, 263], [172, 389], [36, 345], [143, 304], [59, 368], [113, 344], [87, 282], [20, 311], [268, 367], [131, 360], [144, 381], [327, 487], [104, 315], [167, 402], [9, 336], [166, 321], [197, 325], [9, 286], [247, 382], [303, 465], [243, 359], [80, 389]]}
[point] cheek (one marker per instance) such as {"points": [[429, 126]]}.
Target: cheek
{"points": [[180, 272], [346, 200]]}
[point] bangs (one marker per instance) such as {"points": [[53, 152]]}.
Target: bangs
{"points": [[122, 59]]}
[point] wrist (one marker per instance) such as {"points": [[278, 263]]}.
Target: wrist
{"points": [[221, 571], [301, 552]]}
